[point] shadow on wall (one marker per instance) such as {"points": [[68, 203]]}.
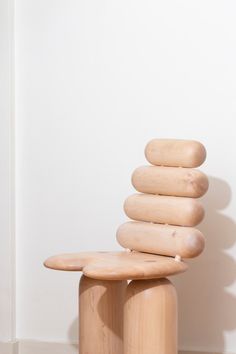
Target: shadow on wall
{"points": [[207, 308]]}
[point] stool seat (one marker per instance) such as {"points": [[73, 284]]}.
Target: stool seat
{"points": [[125, 265]]}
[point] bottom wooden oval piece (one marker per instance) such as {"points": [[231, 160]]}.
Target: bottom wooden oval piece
{"points": [[167, 240], [117, 265]]}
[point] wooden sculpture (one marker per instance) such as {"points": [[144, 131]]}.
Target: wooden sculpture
{"points": [[141, 317]]}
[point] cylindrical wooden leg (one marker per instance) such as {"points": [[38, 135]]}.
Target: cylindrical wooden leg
{"points": [[150, 317], [101, 316]]}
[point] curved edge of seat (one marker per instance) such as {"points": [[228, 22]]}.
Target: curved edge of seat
{"points": [[117, 265], [71, 261]]}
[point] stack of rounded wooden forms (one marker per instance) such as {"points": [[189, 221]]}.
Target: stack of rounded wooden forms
{"points": [[167, 209], [165, 212], [141, 317]]}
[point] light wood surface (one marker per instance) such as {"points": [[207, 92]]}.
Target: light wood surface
{"points": [[173, 181], [175, 153], [73, 261], [101, 316], [141, 318], [117, 265], [150, 318], [161, 239], [164, 209]]}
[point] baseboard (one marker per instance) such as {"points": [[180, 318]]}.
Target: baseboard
{"points": [[39, 347], [197, 352], [36, 347], [9, 347], [194, 352]]}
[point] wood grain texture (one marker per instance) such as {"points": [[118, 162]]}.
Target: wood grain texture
{"points": [[173, 181], [175, 153], [117, 265], [161, 239], [73, 261], [164, 209], [101, 316], [150, 318]]}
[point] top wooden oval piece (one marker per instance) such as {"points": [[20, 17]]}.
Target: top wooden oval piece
{"points": [[175, 153]]}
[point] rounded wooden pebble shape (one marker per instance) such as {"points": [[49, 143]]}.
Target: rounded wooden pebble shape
{"points": [[167, 240], [134, 265], [173, 181], [101, 316], [164, 209], [117, 265], [150, 318], [175, 153], [72, 261]]}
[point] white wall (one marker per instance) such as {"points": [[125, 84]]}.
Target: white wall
{"points": [[6, 174], [95, 81]]}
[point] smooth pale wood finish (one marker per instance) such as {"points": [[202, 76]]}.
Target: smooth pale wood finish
{"points": [[73, 262], [117, 265], [173, 181], [101, 316], [164, 209], [168, 240], [150, 318], [175, 153], [149, 302]]}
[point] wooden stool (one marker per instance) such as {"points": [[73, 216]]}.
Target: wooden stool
{"points": [[141, 317]]}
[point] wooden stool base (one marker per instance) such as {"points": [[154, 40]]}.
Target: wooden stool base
{"points": [[101, 305], [150, 317], [140, 318]]}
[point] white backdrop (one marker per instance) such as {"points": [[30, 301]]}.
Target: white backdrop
{"points": [[95, 81]]}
